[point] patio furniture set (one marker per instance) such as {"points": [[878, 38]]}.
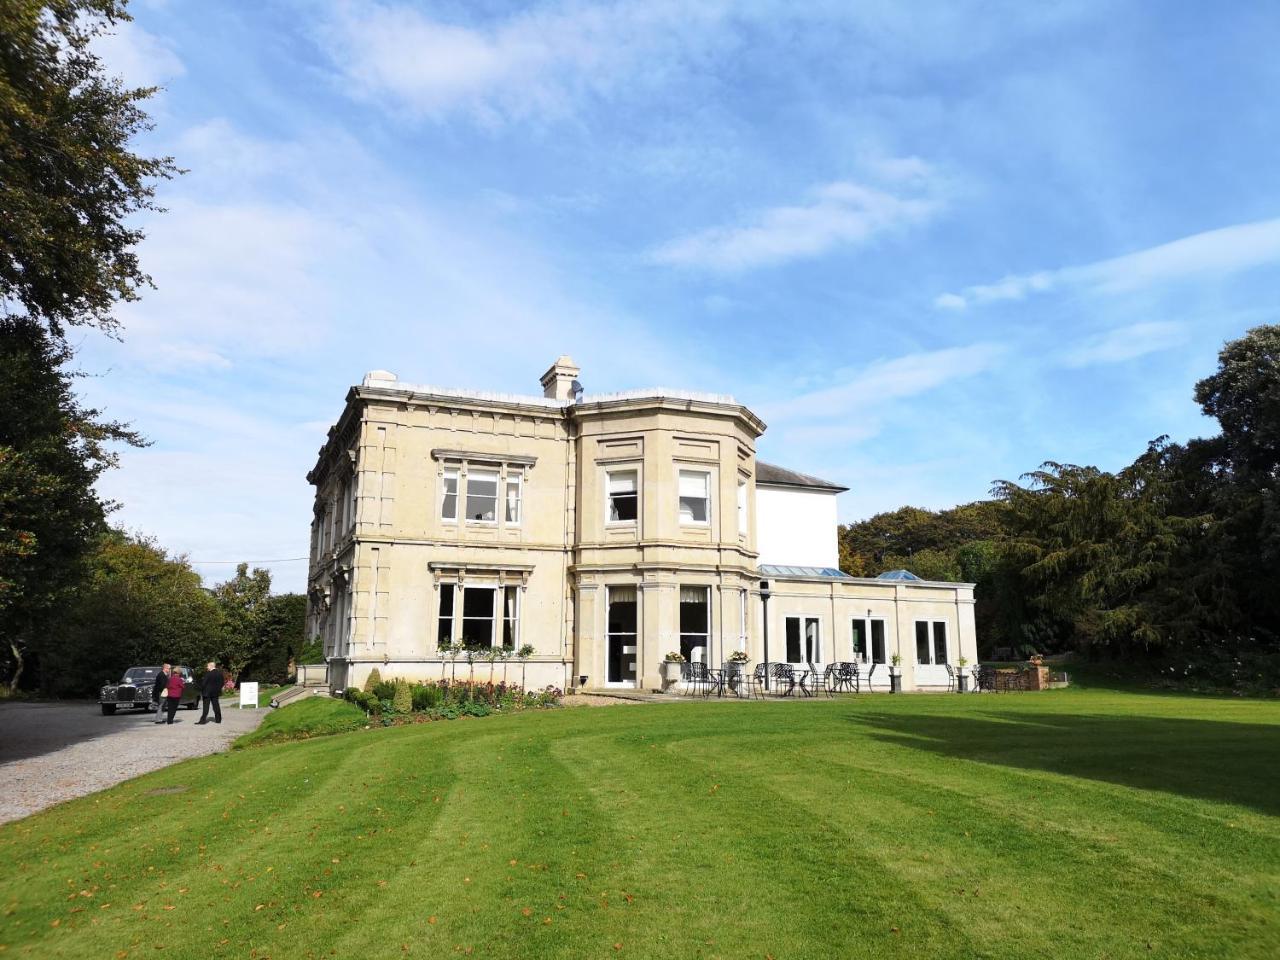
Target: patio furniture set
{"points": [[786, 679]]}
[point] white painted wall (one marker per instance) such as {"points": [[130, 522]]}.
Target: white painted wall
{"points": [[796, 527]]}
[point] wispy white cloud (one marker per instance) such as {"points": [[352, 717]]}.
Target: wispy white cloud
{"points": [[139, 57], [1126, 343], [536, 62], [840, 214], [1214, 253], [883, 381]]}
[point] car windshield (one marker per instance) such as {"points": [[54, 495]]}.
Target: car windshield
{"points": [[138, 674]]}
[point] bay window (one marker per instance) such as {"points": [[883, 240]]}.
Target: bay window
{"points": [[695, 623], [623, 496], [695, 496], [514, 490], [482, 496], [449, 496]]}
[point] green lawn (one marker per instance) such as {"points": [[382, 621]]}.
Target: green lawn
{"points": [[1064, 824]]}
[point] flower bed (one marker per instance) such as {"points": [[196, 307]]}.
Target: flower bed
{"points": [[398, 701]]}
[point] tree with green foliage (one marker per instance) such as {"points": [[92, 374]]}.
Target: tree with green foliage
{"points": [[137, 605], [70, 191], [52, 452], [71, 185], [244, 601], [374, 678]]}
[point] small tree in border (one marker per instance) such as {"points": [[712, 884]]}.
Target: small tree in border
{"points": [[444, 649], [524, 653], [471, 651], [454, 650], [492, 655]]}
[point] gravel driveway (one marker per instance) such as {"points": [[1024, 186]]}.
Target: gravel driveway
{"points": [[51, 752]]}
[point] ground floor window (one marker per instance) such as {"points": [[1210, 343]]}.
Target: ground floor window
{"points": [[868, 641], [931, 641], [483, 619], [621, 619], [695, 623], [444, 622], [510, 617], [804, 640]]}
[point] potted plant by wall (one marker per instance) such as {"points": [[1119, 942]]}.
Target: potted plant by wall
{"points": [[962, 678], [895, 674], [671, 665]]}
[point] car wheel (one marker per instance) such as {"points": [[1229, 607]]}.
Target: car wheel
{"points": [[108, 709], [191, 706]]}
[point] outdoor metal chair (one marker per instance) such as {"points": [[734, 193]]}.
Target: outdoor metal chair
{"points": [[984, 678], [696, 677], [829, 680], [783, 679], [752, 684], [871, 676], [847, 676], [951, 678]]}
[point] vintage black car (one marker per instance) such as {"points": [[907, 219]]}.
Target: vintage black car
{"points": [[134, 690]]}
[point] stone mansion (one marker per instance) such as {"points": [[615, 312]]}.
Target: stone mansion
{"points": [[602, 530]]}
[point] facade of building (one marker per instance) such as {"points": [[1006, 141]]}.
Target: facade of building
{"points": [[602, 531]]}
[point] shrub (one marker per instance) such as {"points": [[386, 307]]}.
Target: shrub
{"points": [[427, 696], [375, 678], [384, 690], [402, 702]]}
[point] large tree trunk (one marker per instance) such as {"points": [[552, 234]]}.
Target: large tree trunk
{"points": [[17, 659]]}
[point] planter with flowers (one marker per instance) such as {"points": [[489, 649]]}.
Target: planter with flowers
{"points": [[671, 667], [895, 673], [962, 678], [739, 663]]}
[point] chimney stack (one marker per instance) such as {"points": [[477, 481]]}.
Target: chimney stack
{"points": [[561, 380]]}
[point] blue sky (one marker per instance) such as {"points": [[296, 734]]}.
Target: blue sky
{"points": [[932, 244]]}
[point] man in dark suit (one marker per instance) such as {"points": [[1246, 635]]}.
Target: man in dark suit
{"points": [[211, 685], [162, 681]]}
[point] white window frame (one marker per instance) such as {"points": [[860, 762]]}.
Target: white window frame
{"points": [[608, 496], [510, 480], [447, 474], [610, 635], [933, 642], [743, 612], [868, 658], [495, 613], [805, 620], [744, 523], [680, 496], [497, 495], [705, 635], [514, 592], [452, 618]]}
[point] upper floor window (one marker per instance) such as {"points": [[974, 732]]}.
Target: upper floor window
{"points": [[623, 496], [449, 499], [482, 496], [742, 507], [695, 496], [512, 509]]}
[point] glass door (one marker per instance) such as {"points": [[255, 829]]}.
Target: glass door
{"points": [[620, 637]]}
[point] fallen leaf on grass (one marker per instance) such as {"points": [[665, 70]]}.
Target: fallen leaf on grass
{"points": [[431, 920]]}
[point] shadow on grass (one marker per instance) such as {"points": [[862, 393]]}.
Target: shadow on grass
{"points": [[1236, 763]]}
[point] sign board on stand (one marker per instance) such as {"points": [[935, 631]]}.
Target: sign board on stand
{"points": [[249, 695]]}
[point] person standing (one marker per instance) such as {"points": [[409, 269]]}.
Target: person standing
{"points": [[211, 685], [176, 685], [160, 690]]}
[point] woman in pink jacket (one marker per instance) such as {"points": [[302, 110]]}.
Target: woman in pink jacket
{"points": [[176, 683]]}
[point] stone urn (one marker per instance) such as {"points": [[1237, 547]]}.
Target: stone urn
{"points": [[670, 673]]}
